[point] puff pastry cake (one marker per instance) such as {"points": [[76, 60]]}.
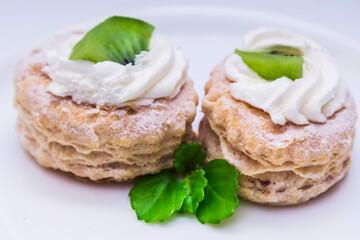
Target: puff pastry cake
{"points": [[279, 164], [92, 141]]}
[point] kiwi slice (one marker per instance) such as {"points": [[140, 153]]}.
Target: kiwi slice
{"points": [[282, 50], [274, 63], [117, 39]]}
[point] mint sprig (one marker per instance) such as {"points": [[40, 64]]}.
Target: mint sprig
{"points": [[194, 185], [188, 156], [210, 193], [220, 193], [157, 197]]}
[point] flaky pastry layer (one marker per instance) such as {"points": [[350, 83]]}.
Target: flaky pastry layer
{"points": [[283, 186]]}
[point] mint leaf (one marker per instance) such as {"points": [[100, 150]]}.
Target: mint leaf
{"points": [[188, 156], [272, 66], [194, 189], [220, 193], [157, 197], [117, 39]]}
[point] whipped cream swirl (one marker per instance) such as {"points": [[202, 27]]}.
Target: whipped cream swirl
{"points": [[158, 73], [314, 97]]}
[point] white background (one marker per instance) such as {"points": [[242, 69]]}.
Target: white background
{"points": [[36, 18]]}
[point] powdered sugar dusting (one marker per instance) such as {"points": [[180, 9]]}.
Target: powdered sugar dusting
{"points": [[90, 127], [251, 130]]}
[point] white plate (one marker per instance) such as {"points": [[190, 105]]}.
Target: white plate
{"points": [[37, 203]]}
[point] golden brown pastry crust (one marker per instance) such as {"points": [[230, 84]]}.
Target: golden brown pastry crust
{"points": [[274, 187], [98, 142], [289, 155]]}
